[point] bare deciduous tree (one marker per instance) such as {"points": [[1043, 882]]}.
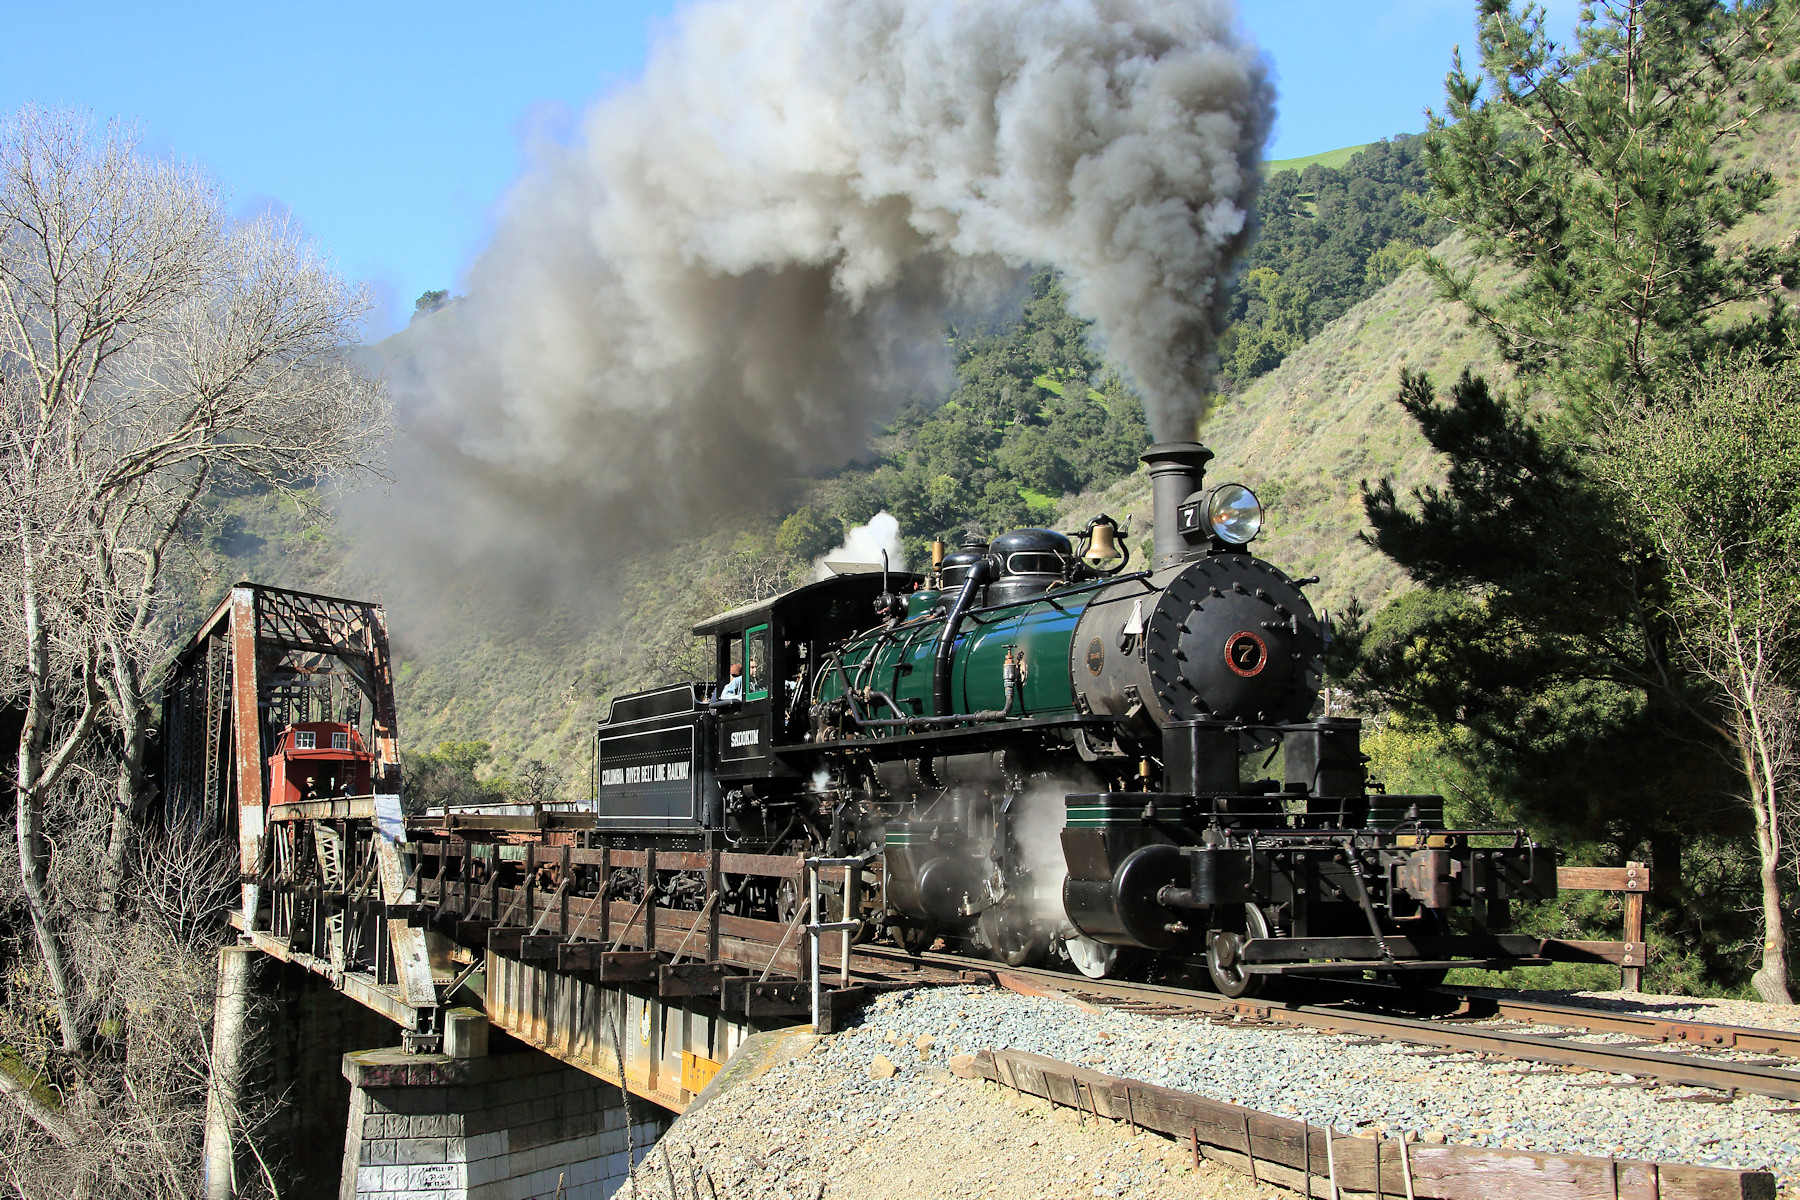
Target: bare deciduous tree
{"points": [[151, 349], [128, 1123]]}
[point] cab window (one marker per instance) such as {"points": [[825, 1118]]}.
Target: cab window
{"points": [[756, 663], [734, 657], [306, 739]]}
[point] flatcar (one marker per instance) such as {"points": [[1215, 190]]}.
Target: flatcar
{"points": [[1044, 755]]}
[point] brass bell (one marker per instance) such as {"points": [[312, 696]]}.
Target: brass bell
{"points": [[1102, 546]]}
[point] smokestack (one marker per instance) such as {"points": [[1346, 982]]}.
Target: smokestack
{"points": [[1177, 470]]}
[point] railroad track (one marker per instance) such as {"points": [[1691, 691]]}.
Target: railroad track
{"points": [[1669, 1052]]}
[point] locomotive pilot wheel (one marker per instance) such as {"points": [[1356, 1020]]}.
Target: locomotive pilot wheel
{"points": [[1228, 973]]}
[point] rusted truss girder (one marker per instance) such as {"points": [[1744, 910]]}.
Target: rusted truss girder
{"points": [[233, 686], [264, 658]]}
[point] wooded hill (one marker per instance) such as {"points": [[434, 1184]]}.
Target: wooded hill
{"points": [[1330, 308], [1037, 431]]}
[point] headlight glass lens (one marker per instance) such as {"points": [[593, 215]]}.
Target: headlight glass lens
{"points": [[1235, 513]]}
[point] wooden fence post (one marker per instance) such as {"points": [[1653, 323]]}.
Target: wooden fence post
{"points": [[1637, 879], [1633, 879]]}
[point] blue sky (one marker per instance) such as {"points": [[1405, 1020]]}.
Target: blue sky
{"points": [[390, 131]]}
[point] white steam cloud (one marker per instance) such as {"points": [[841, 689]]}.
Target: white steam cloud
{"points": [[741, 265], [866, 544]]}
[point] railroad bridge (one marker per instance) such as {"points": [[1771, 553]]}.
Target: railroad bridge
{"points": [[489, 1001], [546, 1002]]}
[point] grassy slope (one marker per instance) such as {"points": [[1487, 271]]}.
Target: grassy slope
{"points": [[1330, 158], [1303, 436]]}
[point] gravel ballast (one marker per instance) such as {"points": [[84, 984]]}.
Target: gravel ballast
{"points": [[1325, 1079], [819, 1127]]}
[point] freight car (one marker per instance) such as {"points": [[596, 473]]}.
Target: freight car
{"points": [[1042, 754]]}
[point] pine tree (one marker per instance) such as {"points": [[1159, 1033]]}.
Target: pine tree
{"points": [[1596, 176], [1593, 184]]}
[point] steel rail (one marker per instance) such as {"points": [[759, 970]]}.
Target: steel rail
{"points": [[1706, 1034], [1685, 1070], [1470, 1003]]}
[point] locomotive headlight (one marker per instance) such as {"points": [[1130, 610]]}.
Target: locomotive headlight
{"points": [[1235, 514]]}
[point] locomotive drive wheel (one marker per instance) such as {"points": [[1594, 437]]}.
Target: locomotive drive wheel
{"points": [[788, 901], [1094, 959], [1013, 937], [1229, 974]]}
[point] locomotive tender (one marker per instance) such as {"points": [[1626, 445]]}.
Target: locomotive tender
{"points": [[1043, 755]]}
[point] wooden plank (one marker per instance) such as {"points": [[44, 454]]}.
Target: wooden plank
{"points": [[539, 947], [1631, 978], [772, 998], [605, 886], [563, 882], [712, 905], [473, 933], [650, 908], [601, 965], [350, 808], [1632, 878], [504, 939], [780, 866], [691, 979], [755, 956], [743, 941], [1619, 954], [1283, 1148]]}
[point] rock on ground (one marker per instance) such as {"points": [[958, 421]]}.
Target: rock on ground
{"points": [[933, 1136], [878, 1111]]}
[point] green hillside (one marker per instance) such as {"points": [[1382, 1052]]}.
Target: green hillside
{"points": [[1304, 436], [1021, 444], [1330, 158]]}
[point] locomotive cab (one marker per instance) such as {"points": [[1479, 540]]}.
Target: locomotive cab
{"points": [[776, 646], [318, 760], [710, 754]]}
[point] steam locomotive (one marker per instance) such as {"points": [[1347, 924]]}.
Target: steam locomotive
{"points": [[1042, 755]]}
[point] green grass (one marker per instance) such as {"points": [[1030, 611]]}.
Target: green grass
{"points": [[1331, 158], [1052, 385]]}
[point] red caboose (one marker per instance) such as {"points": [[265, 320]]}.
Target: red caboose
{"points": [[317, 760]]}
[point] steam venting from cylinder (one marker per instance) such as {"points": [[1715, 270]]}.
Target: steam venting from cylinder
{"points": [[740, 265]]}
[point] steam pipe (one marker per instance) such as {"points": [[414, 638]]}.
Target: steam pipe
{"points": [[980, 573], [1176, 472], [992, 714]]}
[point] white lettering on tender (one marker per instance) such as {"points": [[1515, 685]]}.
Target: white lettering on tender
{"points": [[675, 772], [744, 737]]}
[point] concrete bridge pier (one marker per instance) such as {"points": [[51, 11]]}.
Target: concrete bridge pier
{"points": [[466, 1125]]}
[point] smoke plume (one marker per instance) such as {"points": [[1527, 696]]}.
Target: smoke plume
{"points": [[741, 265]]}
